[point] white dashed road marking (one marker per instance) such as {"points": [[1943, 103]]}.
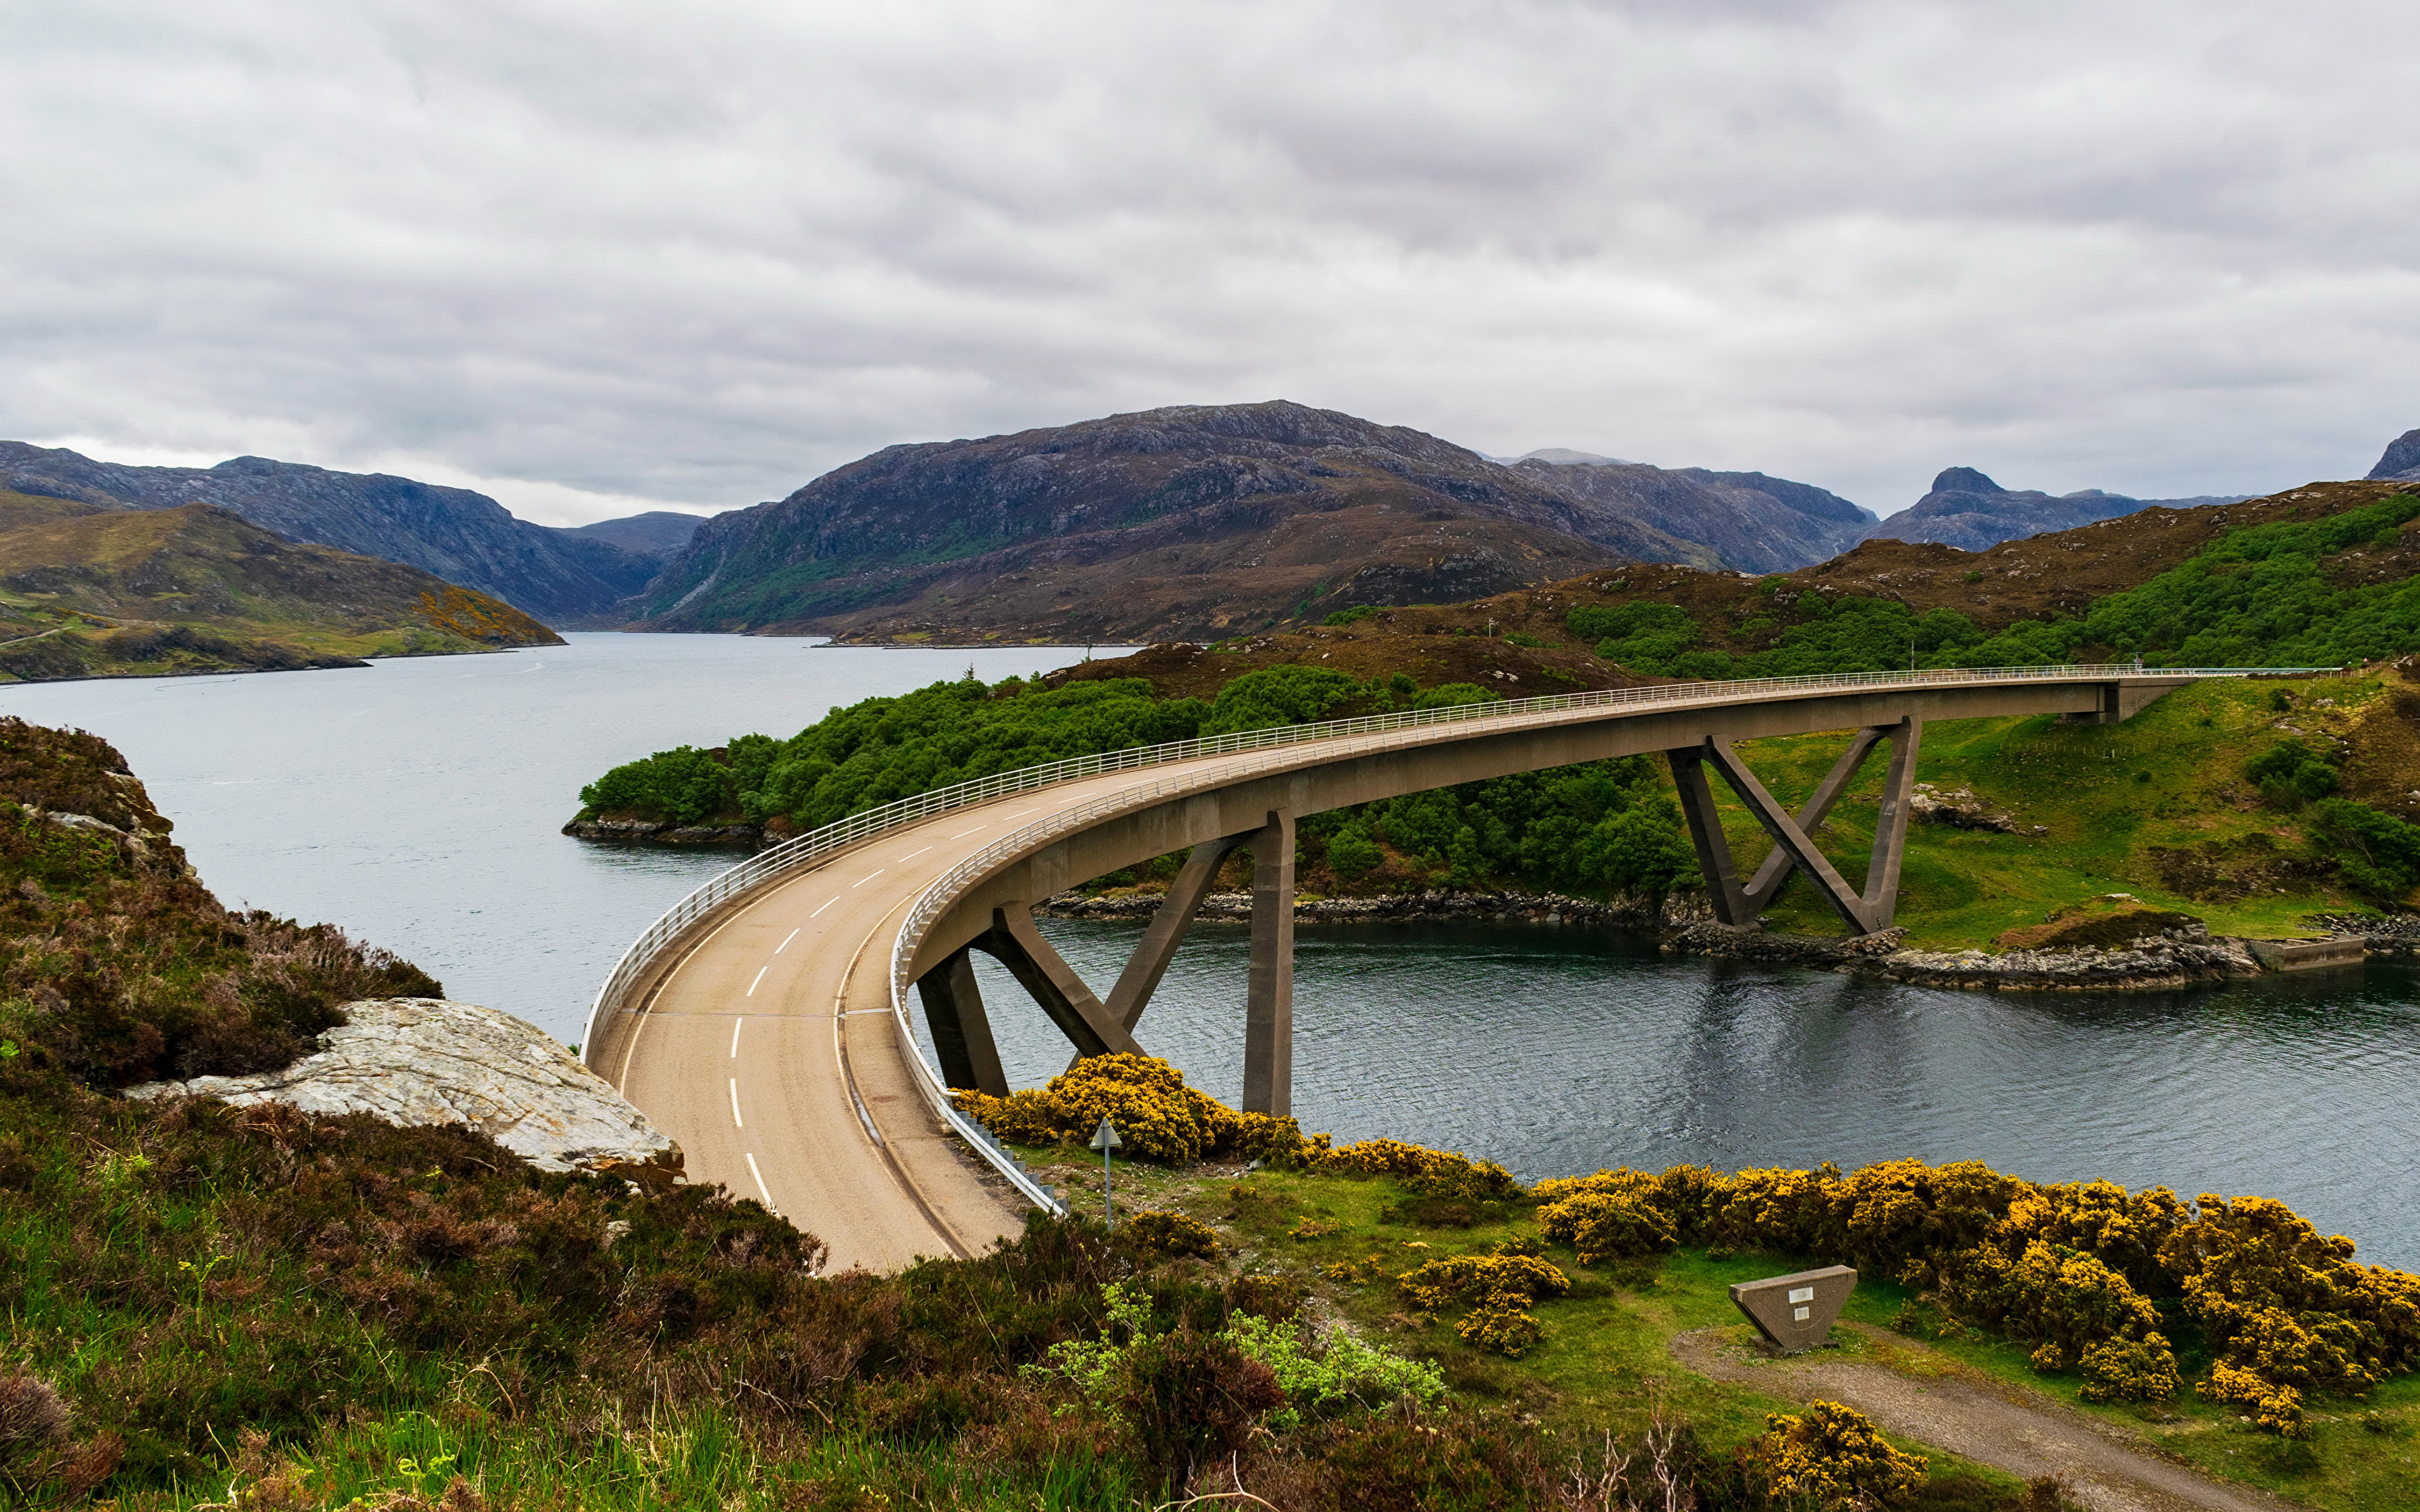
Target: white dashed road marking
{"points": [[734, 1104], [734, 1036], [794, 935], [760, 977]]}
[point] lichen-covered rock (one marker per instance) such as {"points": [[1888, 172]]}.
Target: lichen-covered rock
{"points": [[2179, 958], [424, 1060]]}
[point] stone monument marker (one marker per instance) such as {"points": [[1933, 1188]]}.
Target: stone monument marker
{"points": [[1796, 1312]]}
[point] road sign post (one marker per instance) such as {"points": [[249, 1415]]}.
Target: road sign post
{"points": [[1105, 1139]]}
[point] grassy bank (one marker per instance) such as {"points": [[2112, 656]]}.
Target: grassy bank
{"points": [[1606, 1357], [2160, 806]]}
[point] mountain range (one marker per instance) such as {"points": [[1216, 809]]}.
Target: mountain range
{"points": [[1192, 522], [1967, 510], [560, 575], [1198, 521]]}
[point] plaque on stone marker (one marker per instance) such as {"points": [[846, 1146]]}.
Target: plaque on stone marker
{"points": [[1796, 1312]]}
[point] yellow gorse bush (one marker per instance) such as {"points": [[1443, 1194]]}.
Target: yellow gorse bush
{"points": [[1431, 1172], [2074, 1269], [1498, 1289], [1145, 1099], [1603, 1227], [1832, 1457]]}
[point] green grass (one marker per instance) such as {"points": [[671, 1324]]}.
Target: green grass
{"points": [[2106, 795], [1606, 1361]]}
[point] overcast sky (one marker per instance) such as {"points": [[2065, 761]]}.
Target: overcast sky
{"points": [[593, 256]]}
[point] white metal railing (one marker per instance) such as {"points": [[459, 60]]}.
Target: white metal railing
{"points": [[805, 851]]}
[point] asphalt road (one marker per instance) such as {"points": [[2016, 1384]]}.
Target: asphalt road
{"points": [[770, 1052]]}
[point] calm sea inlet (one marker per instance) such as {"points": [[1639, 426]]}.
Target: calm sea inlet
{"points": [[417, 804]]}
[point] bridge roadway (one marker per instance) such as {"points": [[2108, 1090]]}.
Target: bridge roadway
{"points": [[765, 1039]]}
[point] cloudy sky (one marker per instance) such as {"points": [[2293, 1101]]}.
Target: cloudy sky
{"points": [[593, 257]]}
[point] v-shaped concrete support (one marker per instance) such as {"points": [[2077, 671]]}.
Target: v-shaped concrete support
{"points": [[953, 1010], [1149, 962], [1794, 850], [1040, 970]]}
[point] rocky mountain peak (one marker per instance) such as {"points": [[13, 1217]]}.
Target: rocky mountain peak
{"points": [[2401, 459], [1964, 480]]}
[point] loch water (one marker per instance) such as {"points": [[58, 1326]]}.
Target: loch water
{"points": [[417, 804]]}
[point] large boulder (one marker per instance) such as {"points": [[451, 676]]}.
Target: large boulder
{"points": [[424, 1060]]}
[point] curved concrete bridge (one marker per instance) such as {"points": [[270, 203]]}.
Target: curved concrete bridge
{"points": [[763, 1022]]}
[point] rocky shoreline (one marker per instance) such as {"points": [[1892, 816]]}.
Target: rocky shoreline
{"points": [[2176, 958]]}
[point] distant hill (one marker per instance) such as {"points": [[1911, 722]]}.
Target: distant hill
{"points": [[1194, 521], [93, 590], [2036, 599], [1754, 523], [655, 536], [1967, 510], [464, 537]]}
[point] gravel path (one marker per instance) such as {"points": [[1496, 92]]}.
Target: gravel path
{"points": [[1991, 1422]]}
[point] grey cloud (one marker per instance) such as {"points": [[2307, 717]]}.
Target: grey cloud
{"points": [[696, 254]]}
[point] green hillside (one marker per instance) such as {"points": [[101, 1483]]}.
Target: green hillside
{"points": [[2163, 807], [93, 591]]}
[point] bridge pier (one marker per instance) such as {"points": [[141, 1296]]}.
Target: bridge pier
{"points": [[953, 1010], [1269, 1007], [962, 1037], [1865, 910]]}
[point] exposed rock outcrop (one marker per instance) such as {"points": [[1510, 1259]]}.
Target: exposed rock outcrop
{"points": [[2179, 958], [2401, 459], [1960, 809], [627, 831], [424, 1060]]}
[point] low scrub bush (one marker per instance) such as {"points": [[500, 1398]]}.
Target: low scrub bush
{"points": [[1172, 1234], [1833, 1457], [1431, 1173], [1602, 1227], [1146, 1101]]}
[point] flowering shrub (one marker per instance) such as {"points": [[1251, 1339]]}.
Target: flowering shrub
{"points": [[1506, 1331], [2276, 1298], [1482, 1278], [1604, 1228], [2067, 1302], [1159, 1118], [1430, 1172], [2277, 1409], [2130, 1371], [1833, 1458], [1172, 1233], [1024, 1118], [1499, 1288]]}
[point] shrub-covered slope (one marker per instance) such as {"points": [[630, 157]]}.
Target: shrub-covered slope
{"points": [[2318, 576], [89, 591]]}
